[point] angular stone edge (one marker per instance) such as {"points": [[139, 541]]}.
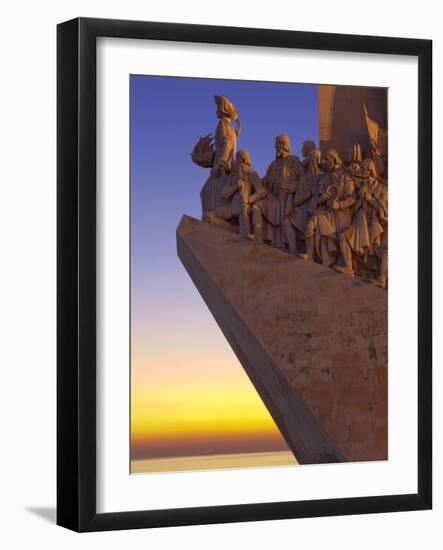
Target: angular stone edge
{"points": [[302, 432]]}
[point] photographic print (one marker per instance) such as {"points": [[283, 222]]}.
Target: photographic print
{"points": [[223, 275], [259, 280]]}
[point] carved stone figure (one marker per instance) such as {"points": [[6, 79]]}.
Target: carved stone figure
{"points": [[311, 157], [217, 153], [353, 157], [323, 209], [306, 151], [243, 190], [295, 223], [314, 166], [333, 199], [225, 139], [363, 245], [280, 181]]}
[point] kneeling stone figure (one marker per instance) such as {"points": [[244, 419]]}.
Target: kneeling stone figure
{"points": [[244, 189]]}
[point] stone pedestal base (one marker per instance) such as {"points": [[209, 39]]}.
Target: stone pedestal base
{"points": [[312, 341]]}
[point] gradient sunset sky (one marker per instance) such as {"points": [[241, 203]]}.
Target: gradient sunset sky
{"points": [[189, 393]]}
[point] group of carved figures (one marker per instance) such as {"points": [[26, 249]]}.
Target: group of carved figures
{"points": [[323, 208]]}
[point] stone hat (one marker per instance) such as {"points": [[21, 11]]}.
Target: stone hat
{"points": [[366, 169]]}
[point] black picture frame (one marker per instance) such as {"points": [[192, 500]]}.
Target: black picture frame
{"points": [[76, 279]]}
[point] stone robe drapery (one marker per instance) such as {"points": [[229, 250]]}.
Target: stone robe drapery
{"points": [[253, 189], [225, 144], [326, 224], [280, 182], [211, 193], [367, 234], [240, 192], [303, 207]]}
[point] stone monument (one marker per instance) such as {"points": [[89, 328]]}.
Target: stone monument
{"points": [[293, 267]]}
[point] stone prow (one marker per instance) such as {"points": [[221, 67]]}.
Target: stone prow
{"points": [[313, 342]]}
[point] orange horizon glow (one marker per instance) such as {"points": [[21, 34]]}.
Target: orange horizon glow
{"points": [[189, 393], [194, 399]]}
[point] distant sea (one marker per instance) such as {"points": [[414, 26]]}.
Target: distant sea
{"points": [[213, 462]]}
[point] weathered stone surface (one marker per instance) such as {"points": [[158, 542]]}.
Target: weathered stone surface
{"points": [[312, 341], [341, 116]]}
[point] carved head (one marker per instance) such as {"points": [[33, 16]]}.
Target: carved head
{"points": [[331, 160], [225, 109], [368, 168], [316, 155], [307, 148], [282, 146], [243, 159]]}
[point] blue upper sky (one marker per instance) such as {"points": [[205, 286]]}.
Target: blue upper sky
{"points": [[168, 115], [168, 317]]}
